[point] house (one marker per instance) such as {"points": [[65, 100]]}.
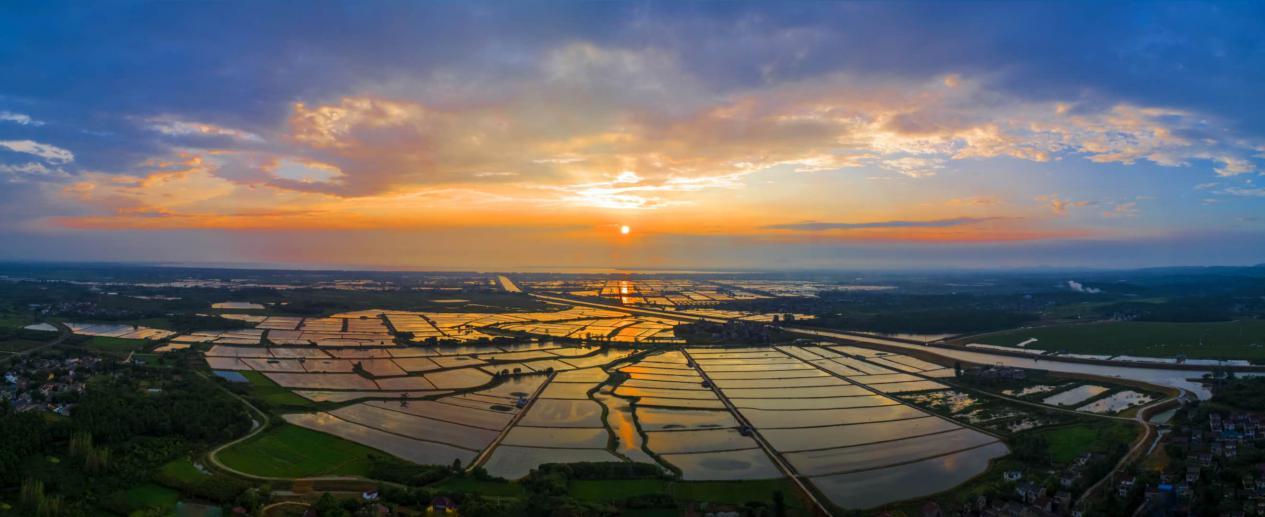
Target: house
{"points": [[369, 495], [1125, 486], [1063, 500], [1192, 474], [11, 378], [1029, 491], [1084, 459], [443, 504], [1013, 475], [1214, 422], [1069, 479], [1205, 459]]}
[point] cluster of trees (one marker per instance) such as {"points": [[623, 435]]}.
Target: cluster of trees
{"points": [[388, 468], [946, 320], [1247, 393], [746, 332], [125, 427], [116, 409]]}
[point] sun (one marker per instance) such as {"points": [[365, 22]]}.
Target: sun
{"points": [[623, 230]]}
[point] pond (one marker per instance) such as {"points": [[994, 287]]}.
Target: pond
{"points": [[1075, 395], [1116, 402]]}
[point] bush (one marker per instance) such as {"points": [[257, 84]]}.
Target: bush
{"points": [[390, 469], [650, 501], [607, 470]]}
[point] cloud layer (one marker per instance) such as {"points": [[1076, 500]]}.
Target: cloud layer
{"points": [[748, 120]]}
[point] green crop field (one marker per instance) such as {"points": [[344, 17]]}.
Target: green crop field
{"points": [[149, 495], [183, 470], [18, 345], [1212, 340], [114, 346], [270, 393], [291, 451], [1068, 442], [490, 488]]}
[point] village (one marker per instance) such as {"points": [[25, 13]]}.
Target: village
{"points": [[48, 382]]}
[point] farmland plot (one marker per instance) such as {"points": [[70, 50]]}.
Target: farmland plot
{"points": [[860, 448]]}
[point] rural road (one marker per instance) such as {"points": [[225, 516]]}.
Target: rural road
{"points": [[64, 333]]}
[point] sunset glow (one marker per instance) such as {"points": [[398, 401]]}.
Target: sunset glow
{"points": [[475, 140]]}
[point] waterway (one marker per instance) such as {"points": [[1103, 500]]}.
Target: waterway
{"points": [[1181, 379]]}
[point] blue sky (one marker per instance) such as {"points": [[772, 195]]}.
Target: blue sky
{"points": [[734, 134]]}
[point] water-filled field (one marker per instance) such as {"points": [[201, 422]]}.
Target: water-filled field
{"points": [[827, 414], [840, 428]]}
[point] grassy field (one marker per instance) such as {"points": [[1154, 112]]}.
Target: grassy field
{"points": [[291, 451], [150, 495], [733, 492], [1069, 442], [1214, 340], [182, 470], [13, 320], [18, 345], [490, 488], [114, 346], [270, 393]]}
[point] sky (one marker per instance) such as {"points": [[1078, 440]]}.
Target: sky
{"points": [[727, 135]]}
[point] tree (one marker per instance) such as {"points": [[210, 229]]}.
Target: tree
{"points": [[328, 506]]}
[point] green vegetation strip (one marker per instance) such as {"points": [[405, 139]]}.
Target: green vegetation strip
{"points": [[274, 395], [149, 495], [114, 346], [291, 452], [1065, 444], [1243, 339]]}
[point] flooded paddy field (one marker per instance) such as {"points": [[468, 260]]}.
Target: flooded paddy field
{"points": [[754, 413], [1116, 402], [724, 466], [871, 488], [565, 419], [1075, 395], [838, 423]]}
